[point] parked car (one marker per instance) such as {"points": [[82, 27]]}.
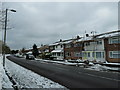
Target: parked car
{"points": [[30, 57], [18, 55]]}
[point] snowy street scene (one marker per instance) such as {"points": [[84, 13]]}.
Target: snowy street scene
{"points": [[56, 44], [25, 78]]}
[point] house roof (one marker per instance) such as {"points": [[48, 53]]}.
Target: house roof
{"points": [[29, 52], [108, 33], [57, 50], [44, 47]]}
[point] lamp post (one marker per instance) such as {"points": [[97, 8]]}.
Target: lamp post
{"points": [[4, 42]]}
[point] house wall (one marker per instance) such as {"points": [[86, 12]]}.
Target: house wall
{"points": [[111, 47], [98, 56], [58, 47], [74, 52], [51, 48], [94, 50], [94, 46], [58, 55]]}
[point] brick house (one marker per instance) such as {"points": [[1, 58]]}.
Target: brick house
{"points": [[112, 48], [73, 50], [111, 45]]}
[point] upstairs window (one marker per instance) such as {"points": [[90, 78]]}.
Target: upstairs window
{"points": [[67, 46], [87, 43], [56, 46], [88, 54], [77, 45], [114, 40], [61, 46], [68, 54], [99, 42]]}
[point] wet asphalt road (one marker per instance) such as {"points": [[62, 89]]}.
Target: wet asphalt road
{"points": [[71, 76]]}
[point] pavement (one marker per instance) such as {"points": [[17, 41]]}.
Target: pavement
{"points": [[70, 76]]}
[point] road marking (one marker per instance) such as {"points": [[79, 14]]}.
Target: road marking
{"points": [[99, 76]]}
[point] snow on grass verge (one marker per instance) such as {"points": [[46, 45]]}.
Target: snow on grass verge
{"points": [[99, 67], [28, 79], [4, 80], [60, 62], [91, 66]]}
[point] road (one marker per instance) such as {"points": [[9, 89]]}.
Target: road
{"points": [[71, 76]]}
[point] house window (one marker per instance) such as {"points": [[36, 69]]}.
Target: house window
{"points": [[114, 54], [61, 54], [103, 54], [68, 46], [88, 54], [68, 54], [98, 55], [54, 54], [87, 43], [114, 40], [58, 54], [84, 54], [77, 54], [61, 46], [72, 45], [99, 42], [56, 46], [93, 54], [77, 45]]}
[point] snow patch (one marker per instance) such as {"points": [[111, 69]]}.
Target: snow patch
{"points": [[4, 80], [99, 67], [28, 79]]}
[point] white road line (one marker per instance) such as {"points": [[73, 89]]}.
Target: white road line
{"points": [[99, 76]]}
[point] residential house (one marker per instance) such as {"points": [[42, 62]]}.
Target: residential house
{"points": [[112, 46], [93, 49], [57, 50], [73, 49], [103, 47], [44, 52]]}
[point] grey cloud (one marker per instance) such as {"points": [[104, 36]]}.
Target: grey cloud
{"points": [[45, 23]]}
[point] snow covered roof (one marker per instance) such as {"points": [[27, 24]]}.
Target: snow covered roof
{"points": [[29, 52], [67, 42], [62, 42], [53, 44], [108, 35], [57, 50], [85, 39]]}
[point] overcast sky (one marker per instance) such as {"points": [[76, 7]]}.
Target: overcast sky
{"points": [[45, 23]]}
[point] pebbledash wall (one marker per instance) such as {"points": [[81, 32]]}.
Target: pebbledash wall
{"points": [[94, 50]]}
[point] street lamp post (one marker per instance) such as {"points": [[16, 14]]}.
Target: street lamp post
{"points": [[4, 42]]}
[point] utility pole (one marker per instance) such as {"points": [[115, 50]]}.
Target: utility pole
{"points": [[4, 42]]}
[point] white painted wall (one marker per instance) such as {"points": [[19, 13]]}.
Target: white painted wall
{"points": [[94, 46], [61, 57]]}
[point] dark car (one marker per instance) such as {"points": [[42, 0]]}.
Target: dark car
{"points": [[30, 57]]}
